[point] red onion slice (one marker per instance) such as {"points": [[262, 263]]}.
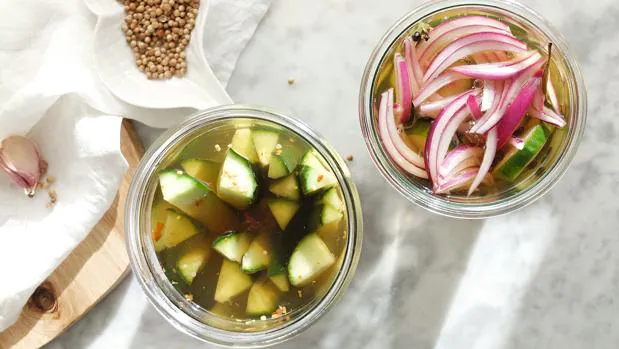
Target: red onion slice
{"points": [[458, 181], [552, 96], [432, 109], [510, 91], [489, 154], [439, 43], [396, 138], [461, 157], [473, 106], [412, 59], [436, 132], [538, 100], [450, 131], [435, 85], [548, 115], [516, 110], [386, 103], [464, 21], [471, 44], [497, 71], [403, 92]]}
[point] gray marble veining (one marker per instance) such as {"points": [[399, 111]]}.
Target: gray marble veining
{"points": [[544, 277]]}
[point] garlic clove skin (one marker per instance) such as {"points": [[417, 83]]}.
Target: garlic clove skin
{"points": [[21, 161]]}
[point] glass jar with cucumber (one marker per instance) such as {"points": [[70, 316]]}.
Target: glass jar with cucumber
{"points": [[472, 109], [243, 226]]}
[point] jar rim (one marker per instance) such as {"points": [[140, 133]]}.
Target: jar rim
{"points": [[416, 192], [184, 314]]}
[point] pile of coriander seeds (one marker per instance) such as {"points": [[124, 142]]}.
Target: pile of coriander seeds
{"points": [[158, 32]]}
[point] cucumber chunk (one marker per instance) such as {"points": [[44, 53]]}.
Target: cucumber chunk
{"points": [[264, 143], [263, 298], [178, 228], [515, 161], [277, 274], [205, 170], [237, 183], [158, 218], [309, 259], [313, 175], [325, 221], [258, 254], [287, 188], [197, 200], [283, 210], [242, 143], [192, 261], [332, 198], [282, 163], [232, 282], [281, 282], [232, 245]]}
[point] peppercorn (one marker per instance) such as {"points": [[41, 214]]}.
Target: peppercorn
{"points": [[158, 32]]}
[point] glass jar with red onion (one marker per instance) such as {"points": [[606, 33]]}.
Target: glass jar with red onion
{"points": [[472, 109]]}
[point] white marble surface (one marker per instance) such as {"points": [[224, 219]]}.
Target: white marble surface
{"points": [[544, 277]]}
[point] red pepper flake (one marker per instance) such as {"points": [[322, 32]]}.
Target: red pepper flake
{"points": [[157, 232], [320, 178], [253, 223]]}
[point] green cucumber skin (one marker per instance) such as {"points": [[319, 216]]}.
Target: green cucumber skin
{"points": [[287, 188], [520, 159], [278, 168], [236, 241], [228, 193], [199, 189], [285, 161]]}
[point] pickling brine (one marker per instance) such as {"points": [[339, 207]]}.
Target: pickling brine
{"points": [[249, 222]]}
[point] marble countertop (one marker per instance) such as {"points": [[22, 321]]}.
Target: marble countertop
{"points": [[544, 277]]}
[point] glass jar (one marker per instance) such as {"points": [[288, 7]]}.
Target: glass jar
{"points": [[520, 194], [190, 317]]}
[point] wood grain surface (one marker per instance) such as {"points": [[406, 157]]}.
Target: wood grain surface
{"points": [[90, 272]]}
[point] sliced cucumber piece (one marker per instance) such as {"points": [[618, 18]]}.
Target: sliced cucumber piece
{"points": [[277, 273], [232, 245], [232, 281], [258, 254], [331, 198], [158, 218], [418, 134], [237, 183], [313, 175], [282, 163], [205, 170], [197, 200], [263, 298], [264, 143], [222, 309], [283, 210], [309, 259], [178, 228], [287, 187], [281, 282], [242, 143], [192, 261], [325, 221], [515, 161]]}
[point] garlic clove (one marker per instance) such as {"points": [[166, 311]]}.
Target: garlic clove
{"points": [[21, 161]]}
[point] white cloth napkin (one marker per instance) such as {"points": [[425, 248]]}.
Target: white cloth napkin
{"points": [[66, 78]]}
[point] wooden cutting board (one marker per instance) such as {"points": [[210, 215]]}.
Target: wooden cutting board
{"points": [[90, 272]]}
